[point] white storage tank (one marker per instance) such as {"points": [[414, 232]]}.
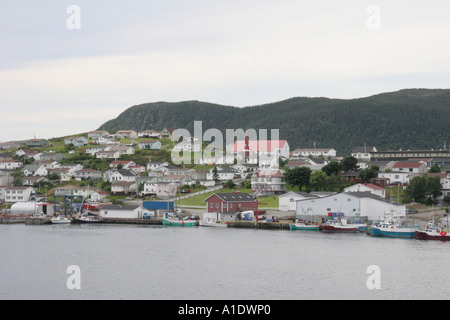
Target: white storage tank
{"points": [[31, 208]]}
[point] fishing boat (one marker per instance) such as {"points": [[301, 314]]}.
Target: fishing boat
{"points": [[393, 227], [61, 219], [208, 222], [432, 232], [304, 225], [86, 219], [170, 220], [212, 219], [342, 225]]}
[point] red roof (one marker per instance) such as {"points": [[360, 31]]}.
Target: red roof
{"points": [[259, 145], [408, 165], [373, 186]]}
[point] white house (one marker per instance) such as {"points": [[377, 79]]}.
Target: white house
{"points": [[150, 144], [410, 167], [126, 134], [126, 164], [97, 133], [123, 187], [34, 170], [10, 164], [396, 177], [122, 175], [19, 194], [352, 204], [153, 165], [363, 153], [325, 152], [223, 174], [76, 141], [166, 190], [369, 187], [268, 182], [124, 212], [149, 134], [287, 201]]}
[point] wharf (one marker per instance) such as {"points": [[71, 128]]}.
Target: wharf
{"points": [[37, 221], [152, 221], [11, 219], [259, 225]]}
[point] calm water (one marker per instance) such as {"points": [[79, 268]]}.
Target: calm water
{"points": [[155, 262]]}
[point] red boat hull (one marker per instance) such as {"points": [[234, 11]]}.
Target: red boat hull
{"points": [[420, 235]]}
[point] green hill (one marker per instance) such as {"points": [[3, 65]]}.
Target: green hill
{"points": [[407, 119]]}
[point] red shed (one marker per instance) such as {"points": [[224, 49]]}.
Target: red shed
{"points": [[229, 202]]}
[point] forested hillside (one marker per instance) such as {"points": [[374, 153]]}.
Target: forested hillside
{"points": [[406, 119]]}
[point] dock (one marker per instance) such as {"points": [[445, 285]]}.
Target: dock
{"points": [[258, 225]]}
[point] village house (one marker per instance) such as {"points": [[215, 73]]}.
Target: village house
{"points": [[121, 148], [72, 168], [363, 153], [268, 182], [19, 194], [30, 181], [99, 196], [223, 174], [231, 202], [94, 149], [49, 164], [169, 133], [27, 153], [70, 190], [123, 187], [126, 134], [122, 175], [178, 179], [6, 179], [55, 156], [121, 164], [97, 134], [166, 190], [10, 164], [149, 134], [35, 143], [313, 152], [76, 141], [153, 165], [34, 170], [107, 155], [410, 167], [149, 144], [150, 185], [137, 169], [85, 174]]}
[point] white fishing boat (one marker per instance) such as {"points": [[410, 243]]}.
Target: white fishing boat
{"points": [[211, 219], [61, 219], [342, 225]]}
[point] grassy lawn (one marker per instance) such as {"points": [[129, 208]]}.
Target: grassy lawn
{"points": [[264, 202]]}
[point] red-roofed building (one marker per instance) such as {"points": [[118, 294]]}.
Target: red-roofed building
{"points": [[411, 167]]}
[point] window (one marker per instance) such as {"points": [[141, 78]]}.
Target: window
{"points": [[291, 200], [217, 205], [212, 205]]}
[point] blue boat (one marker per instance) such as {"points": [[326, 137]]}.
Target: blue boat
{"points": [[394, 228]]}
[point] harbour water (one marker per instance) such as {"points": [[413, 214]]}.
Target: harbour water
{"points": [[201, 263]]}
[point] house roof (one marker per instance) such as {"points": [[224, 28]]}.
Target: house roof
{"points": [[234, 197], [269, 173], [119, 207], [299, 193], [408, 165], [259, 145], [123, 183]]}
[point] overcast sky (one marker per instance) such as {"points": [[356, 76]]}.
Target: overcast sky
{"points": [[57, 80]]}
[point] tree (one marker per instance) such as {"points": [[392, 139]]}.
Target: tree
{"points": [[416, 189], [433, 187], [318, 180], [299, 176], [230, 184], [367, 174], [215, 175], [435, 168], [349, 163], [332, 167]]}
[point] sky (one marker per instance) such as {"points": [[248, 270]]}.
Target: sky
{"points": [[66, 67]]}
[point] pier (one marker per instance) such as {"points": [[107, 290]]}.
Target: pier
{"points": [[258, 225]]}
